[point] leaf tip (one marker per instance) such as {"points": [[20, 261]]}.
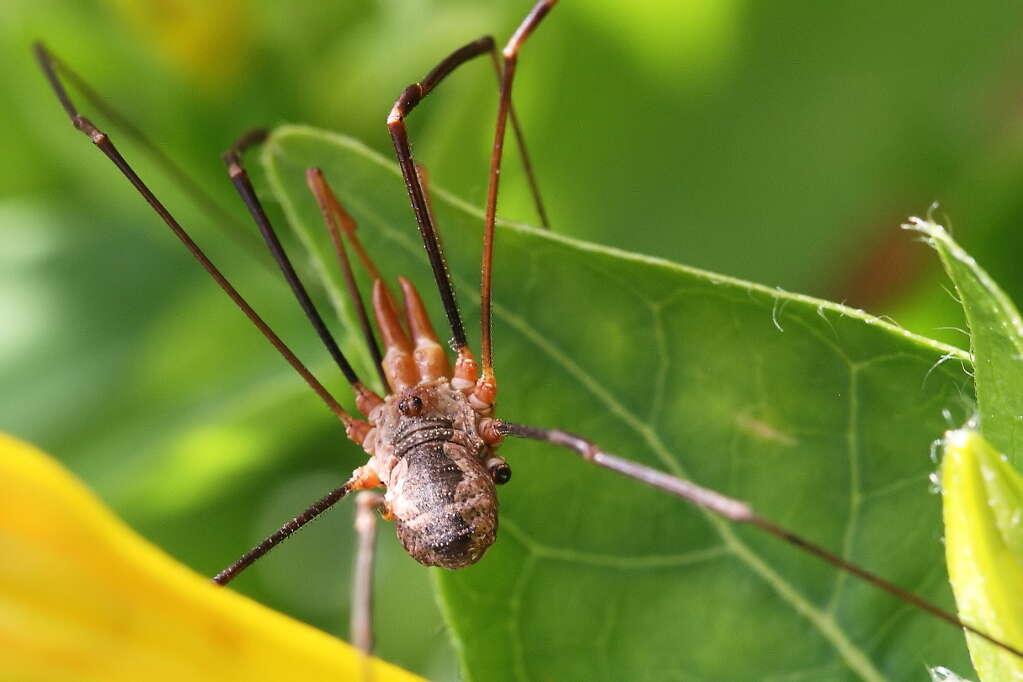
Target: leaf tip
{"points": [[927, 227]]}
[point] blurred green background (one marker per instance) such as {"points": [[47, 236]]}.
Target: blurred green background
{"points": [[778, 142]]}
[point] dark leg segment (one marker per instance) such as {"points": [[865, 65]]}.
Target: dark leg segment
{"points": [[283, 533], [729, 508], [355, 428], [194, 190], [240, 178], [408, 100]]}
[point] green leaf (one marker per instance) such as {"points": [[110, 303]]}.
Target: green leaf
{"points": [[996, 339], [984, 548], [819, 415]]}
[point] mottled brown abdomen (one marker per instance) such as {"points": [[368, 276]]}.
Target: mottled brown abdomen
{"points": [[445, 504]]}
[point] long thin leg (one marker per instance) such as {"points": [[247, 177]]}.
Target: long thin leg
{"points": [[323, 191], [527, 163], [727, 507], [337, 219], [395, 364], [193, 189], [406, 102], [487, 388], [355, 428], [361, 627], [283, 533], [366, 399]]}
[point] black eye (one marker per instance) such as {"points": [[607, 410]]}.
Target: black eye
{"points": [[501, 474], [410, 407]]}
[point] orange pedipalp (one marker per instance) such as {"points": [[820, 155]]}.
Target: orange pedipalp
{"points": [[399, 367], [430, 358]]}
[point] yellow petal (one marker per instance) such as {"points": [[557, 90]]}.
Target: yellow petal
{"points": [[983, 509], [83, 597]]}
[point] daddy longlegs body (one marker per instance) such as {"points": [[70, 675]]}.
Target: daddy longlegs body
{"points": [[433, 439]]}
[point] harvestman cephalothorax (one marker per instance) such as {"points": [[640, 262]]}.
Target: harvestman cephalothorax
{"points": [[432, 440]]}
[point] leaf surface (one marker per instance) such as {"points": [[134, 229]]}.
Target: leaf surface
{"points": [[819, 415]]}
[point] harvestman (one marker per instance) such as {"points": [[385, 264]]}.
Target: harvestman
{"points": [[432, 440]]}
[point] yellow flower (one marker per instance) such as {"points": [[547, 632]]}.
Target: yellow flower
{"points": [[83, 597], [983, 509]]}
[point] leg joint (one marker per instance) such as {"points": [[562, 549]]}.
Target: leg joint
{"points": [[406, 102], [87, 127]]}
